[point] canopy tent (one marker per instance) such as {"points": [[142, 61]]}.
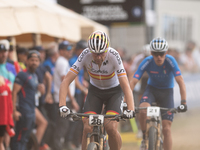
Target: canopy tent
{"points": [[19, 17]]}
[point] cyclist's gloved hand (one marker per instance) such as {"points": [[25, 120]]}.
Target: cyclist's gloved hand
{"points": [[124, 106], [182, 108], [129, 114], [64, 111]]}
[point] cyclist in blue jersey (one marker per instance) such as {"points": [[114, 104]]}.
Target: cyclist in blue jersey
{"points": [[162, 69]]}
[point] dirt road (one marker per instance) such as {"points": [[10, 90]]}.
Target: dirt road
{"points": [[185, 132]]}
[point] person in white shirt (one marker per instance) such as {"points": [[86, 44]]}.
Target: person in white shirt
{"points": [[61, 68]]}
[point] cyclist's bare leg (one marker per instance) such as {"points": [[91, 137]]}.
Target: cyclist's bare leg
{"points": [[143, 116], [41, 123], [86, 129], [167, 144], [114, 140]]}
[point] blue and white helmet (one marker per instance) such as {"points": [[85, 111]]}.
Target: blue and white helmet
{"points": [[158, 45]]}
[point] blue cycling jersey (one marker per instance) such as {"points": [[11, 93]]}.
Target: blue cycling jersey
{"points": [[161, 77]]}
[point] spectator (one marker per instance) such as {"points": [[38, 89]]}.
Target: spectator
{"points": [[75, 132], [22, 57], [6, 120], [11, 59], [43, 76], [191, 46], [7, 70], [138, 92], [61, 69], [188, 61], [49, 63], [25, 87]]}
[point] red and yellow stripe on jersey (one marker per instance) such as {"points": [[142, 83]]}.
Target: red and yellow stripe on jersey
{"points": [[74, 71], [101, 77], [121, 74]]}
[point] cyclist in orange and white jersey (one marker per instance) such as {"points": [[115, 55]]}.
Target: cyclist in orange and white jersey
{"points": [[108, 85]]}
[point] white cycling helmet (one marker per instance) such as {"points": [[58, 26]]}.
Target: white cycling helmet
{"points": [[159, 45], [98, 42]]}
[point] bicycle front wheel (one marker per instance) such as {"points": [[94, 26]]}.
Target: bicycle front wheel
{"points": [[92, 146], [152, 138]]}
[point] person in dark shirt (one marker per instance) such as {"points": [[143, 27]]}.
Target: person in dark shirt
{"points": [[41, 113], [26, 87]]}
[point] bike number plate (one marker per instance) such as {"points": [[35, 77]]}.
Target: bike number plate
{"points": [[96, 120], [153, 111]]}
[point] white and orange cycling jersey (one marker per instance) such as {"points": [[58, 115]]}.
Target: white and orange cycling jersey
{"points": [[107, 75]]}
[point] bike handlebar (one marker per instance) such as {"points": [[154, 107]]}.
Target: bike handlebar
{"points": [[78, 116], [172, 110]]}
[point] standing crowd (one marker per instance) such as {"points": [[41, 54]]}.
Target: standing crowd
{"points": [[30, 94], [29, 90]]}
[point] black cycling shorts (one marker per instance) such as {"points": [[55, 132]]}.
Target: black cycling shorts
{"points": [[2, 130], [163, 98], [112, 98]]}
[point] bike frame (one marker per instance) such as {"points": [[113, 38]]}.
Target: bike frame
{"points": [[98, 132], [155, 122]]}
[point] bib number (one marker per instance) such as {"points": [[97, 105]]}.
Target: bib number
{"points": [[96, 120], [153, 111]]}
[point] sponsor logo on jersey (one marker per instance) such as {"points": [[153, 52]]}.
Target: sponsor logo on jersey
{"points": [[80, 58], [145, 64], [121, 71], [178, 72], [99, 71], [75, 68], [137, 75], [116, 54], [154, 72], [170, 62], [105, 63]]}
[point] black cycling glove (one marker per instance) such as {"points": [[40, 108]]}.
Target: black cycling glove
{"points": [[182, 108]]}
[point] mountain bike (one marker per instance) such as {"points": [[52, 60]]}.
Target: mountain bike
{"points": [[153, 135], [97, 121]]}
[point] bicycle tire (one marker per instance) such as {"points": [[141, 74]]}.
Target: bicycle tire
{"points": [[161, 137], [92, 146], [32, 143], [152, 138]]}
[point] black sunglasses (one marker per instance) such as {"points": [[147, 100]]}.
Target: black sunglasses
{"points": [[158, 53]]}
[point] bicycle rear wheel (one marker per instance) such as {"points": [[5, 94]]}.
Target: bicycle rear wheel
{"points": [[152, 138], [92, 146]]}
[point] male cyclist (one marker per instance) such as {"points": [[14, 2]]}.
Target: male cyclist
{"points": [[107, 81], [162, 69]]}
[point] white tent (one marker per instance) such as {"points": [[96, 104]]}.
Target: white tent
{"points": [[35, 16]]}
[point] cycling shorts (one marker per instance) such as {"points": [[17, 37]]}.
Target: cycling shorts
{"points": [[163, 98], [112, 98]]}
